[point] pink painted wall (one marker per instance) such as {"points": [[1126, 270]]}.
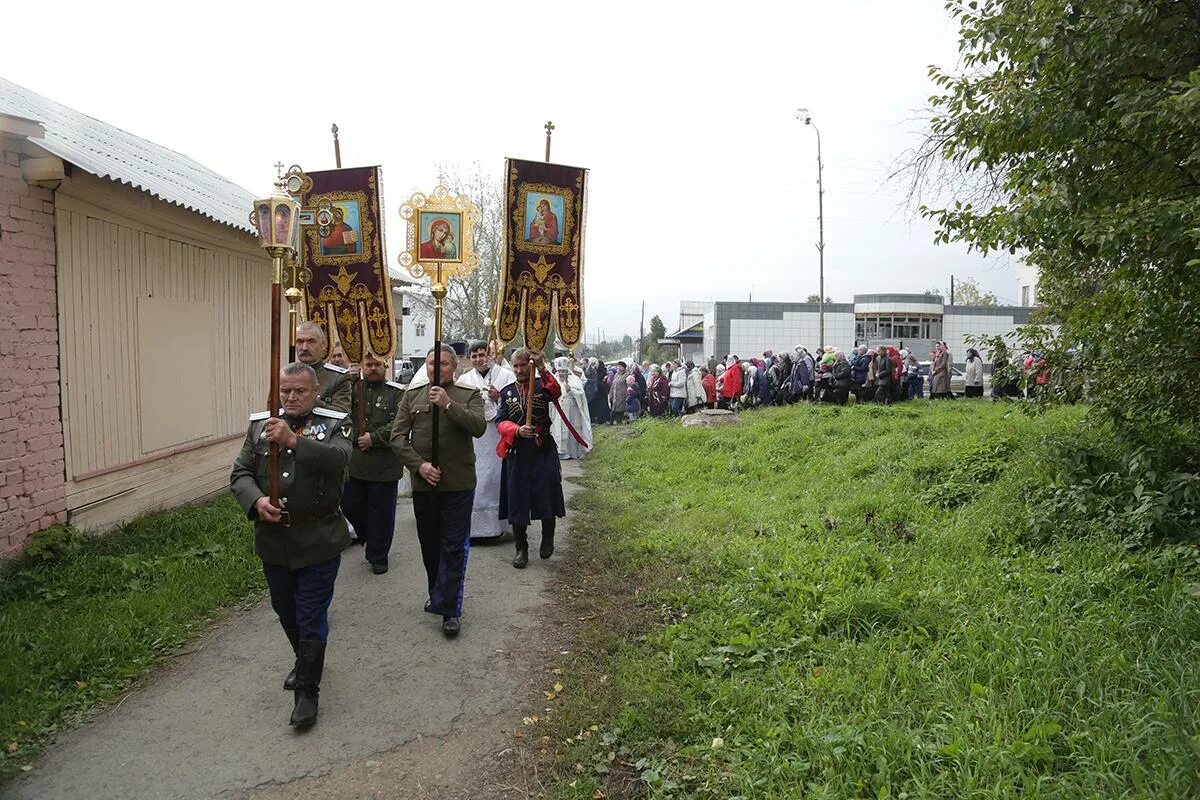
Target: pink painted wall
{"points": [[32, 474]]}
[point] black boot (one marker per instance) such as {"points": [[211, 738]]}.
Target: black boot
{"points": [[522, 540], [289, 683], [308, 682], [547, 548]]}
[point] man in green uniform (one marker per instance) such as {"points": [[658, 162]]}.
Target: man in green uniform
{"points": [[442, 495], [369, 497], [300, 540], [336, 384]]}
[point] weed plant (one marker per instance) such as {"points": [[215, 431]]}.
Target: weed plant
{"points": [[82, 618], [843, 603]]}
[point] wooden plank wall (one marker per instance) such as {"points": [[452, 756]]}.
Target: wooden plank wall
{"points": [[117, 246]]}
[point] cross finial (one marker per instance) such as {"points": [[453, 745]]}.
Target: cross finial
{"points": [[279, 170], [549, 128]]}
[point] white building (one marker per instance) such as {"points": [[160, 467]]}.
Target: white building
{"points": [[1027, 285], [912, 321], [413, 306]]}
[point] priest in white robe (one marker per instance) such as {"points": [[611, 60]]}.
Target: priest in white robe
{"points": [[489, 379], [575, 406]]}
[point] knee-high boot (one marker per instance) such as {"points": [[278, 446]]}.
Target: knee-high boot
{"points": [[522, 540], [547, 548], [310, 665], [289, 683]]}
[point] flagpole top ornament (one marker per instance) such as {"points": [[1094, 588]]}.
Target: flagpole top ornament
{"points": [[549, 126]]}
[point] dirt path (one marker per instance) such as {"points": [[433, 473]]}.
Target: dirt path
{"points": [[404, 712]]}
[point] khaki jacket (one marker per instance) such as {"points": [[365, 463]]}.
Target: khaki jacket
{"points": [[310, 481], [412, 436], [336, 386], [378, 462]]}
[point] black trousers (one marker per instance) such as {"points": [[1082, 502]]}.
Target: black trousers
{"points": [[371, 508], [444, 531]]}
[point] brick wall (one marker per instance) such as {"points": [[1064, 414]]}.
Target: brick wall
{"points": [[32, 474]]}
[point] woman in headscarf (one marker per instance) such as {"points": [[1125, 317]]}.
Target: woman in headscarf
{"points": [[914, 381], [871, 383], [883, 377], [719, 384], [731, 387], [802, 376], [709, 382], [616, 394], [973, 374], [841, 379], [658, 393], [939, 381]]}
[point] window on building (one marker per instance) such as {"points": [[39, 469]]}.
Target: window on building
{"points": [[419, 329]]}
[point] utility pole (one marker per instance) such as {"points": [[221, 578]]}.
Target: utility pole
{"points": [[951, 290], [641, 332], [802, 113]]}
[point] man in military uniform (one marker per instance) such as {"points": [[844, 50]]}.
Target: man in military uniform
{"points": [[442, 495], [335, 381], [531, 483], [301, 539], [369, 497]]}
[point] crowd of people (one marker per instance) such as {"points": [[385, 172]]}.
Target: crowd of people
{"points": [[627, 390]]}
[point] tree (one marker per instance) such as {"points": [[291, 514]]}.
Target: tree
{"points": [[471, 300], [816, 298], [967, 293], [1074, 127], [651, 349]]}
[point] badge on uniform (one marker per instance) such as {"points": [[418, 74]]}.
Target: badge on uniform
{"points": [[346, 431]]}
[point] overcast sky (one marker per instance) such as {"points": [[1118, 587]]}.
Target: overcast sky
{"points": [[702, 183]]}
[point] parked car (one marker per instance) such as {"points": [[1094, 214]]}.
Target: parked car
{"points": [[403, 370]]}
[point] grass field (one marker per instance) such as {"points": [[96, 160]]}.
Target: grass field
{"points": [[81, 619], [839, 603]]}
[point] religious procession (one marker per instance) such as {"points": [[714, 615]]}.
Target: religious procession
{"points": [[804, 412], [478, 442]]}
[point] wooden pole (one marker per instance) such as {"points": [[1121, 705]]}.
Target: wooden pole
{"points": [[439, 294], [273, 391], [337, 147]]}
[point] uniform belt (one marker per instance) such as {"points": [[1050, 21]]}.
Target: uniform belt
{"points": [[288, 519]]}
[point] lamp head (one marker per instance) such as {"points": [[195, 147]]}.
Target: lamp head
{"points": [[802, 114], [275, 218]]}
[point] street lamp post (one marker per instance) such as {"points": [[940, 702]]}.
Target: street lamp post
{"points": [[802, 113]]}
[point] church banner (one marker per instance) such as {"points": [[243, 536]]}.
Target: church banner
{"points": [[542, 275], [343, 269]]}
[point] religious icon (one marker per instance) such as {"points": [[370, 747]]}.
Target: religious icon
{"points": [[440, 233], [543, 213], [283, 219], [340, 236]]}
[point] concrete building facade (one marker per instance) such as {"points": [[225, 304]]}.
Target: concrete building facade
{"points": [[912, 321]]}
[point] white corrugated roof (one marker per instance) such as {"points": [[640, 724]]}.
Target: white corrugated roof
{"points": [[109, 152]]}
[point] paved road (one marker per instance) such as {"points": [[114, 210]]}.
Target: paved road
{"points": [[403, 710]]}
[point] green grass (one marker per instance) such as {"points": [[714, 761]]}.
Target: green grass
{"points": [[826, 603], [82, 618]]}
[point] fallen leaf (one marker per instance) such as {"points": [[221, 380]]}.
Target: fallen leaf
{"points": [[558, 687], [550, 695], [13, 747], [598, 795], [718, 743]]}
